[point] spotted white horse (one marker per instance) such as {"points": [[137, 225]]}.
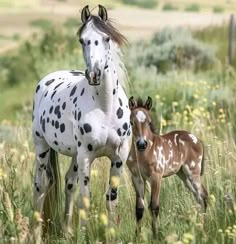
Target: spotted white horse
{"points": [[83, 116]]}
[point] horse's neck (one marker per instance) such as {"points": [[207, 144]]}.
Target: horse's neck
{"points": [[106, 88]]}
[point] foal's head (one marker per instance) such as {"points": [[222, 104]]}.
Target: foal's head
{"points": [[95, 36], [140, 120]]}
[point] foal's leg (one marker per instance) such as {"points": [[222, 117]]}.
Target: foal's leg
{"points": [[139, 189], [155, 197], [71, 180], [117, 163], [193, 183]]}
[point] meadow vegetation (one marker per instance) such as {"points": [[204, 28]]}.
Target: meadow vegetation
{"points": [[192, 87]]}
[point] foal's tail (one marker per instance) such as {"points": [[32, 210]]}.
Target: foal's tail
{"points": [[52, 203], [203, 162]]}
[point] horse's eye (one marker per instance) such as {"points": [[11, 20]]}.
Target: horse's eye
{"points": [[81, 41], [107, 39], [131, 123], [150, 123]]}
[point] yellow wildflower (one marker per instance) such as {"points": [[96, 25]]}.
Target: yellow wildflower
{"points": [[82, 214], [86, 202], [115, 180], [104, 219], [37, 216]]}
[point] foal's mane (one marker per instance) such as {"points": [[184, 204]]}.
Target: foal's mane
{"points": [[105, 27], [141, 104]]}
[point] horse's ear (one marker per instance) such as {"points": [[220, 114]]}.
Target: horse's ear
{"points": [[132, 103], [102, 13], [85, 14], [148, 104]]}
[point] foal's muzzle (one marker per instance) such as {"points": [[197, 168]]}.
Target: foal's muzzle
{"points": [[93, 77], [141, 144]]}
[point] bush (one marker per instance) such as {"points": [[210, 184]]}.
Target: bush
{"points": [[192, 8], [169, 7], [218, 9], [142, 3], [173, 49], [55, 50], [43, 24]]}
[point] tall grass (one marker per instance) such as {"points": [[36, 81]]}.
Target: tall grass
{"points": [[201, 102]]}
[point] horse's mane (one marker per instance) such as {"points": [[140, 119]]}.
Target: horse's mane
{"points": [[117, 39], [105, 27]]}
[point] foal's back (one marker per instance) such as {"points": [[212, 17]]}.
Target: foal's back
{"points": [[178, 148]]}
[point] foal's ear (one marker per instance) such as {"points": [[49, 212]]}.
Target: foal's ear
{"points": [[102, 12], [148, 104], [132, 103], [85, 14]]}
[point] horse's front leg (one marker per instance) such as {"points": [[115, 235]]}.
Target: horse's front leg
{"points": [[117, 163], [84, 190], [155, 196]]}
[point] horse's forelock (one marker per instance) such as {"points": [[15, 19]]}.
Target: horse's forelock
{"points": [[105, 27]]}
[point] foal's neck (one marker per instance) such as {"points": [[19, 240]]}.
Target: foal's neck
{"points": [[107, 90]]}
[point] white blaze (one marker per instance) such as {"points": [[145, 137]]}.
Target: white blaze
{"points": [[141, 117]]}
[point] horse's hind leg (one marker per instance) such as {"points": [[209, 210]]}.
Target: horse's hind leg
{"points": [[193, 183], [41, 179], [71, 180]]}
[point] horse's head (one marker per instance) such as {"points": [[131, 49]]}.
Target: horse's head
{"points": [[140, 120], [95, 36]]}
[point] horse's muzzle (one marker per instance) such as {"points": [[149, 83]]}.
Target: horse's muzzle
{"points": [[93, 77], [141, 144]]}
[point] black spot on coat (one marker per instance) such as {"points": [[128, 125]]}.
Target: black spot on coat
{"points": [[37, 88], [119, 113], [49, 82], [62, 128], [63, 105], [118, 164], [87, 128], [42, 155], [73, 91], [82, 92], [57, 86], [90, 147]]}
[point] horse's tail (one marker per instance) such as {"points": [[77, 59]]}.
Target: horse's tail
{"points": [[203, 162], [52, 203]]}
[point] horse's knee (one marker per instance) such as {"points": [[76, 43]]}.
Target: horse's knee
{"points": [[154, 209]]}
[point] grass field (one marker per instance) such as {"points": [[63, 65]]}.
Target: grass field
{"points": [[202, 102]]}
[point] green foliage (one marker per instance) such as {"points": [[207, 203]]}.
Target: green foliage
{"points": [[169, 7], [72, 22], [217, 36], [172, 49], [192, 8], [142, 3], [43, 24], [29, 63], [218, 9]]}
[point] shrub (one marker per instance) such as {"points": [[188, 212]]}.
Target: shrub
{"points": [[172, 49], [142, 3], [41, 23], [192, 8], [218, 9], [169, 7]]}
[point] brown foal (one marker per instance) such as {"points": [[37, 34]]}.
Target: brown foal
{"points": [[154, 156]]}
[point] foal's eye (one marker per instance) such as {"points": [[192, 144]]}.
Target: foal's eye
{"points": [[131, 123], [81, 41]]}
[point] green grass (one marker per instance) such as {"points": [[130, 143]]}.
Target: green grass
{"points": [[192, 8], [169, 7], [203, 103], [218, 9]]}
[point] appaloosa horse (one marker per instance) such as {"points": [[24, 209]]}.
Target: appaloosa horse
{"points": [[154, 156], [83, 115]]}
